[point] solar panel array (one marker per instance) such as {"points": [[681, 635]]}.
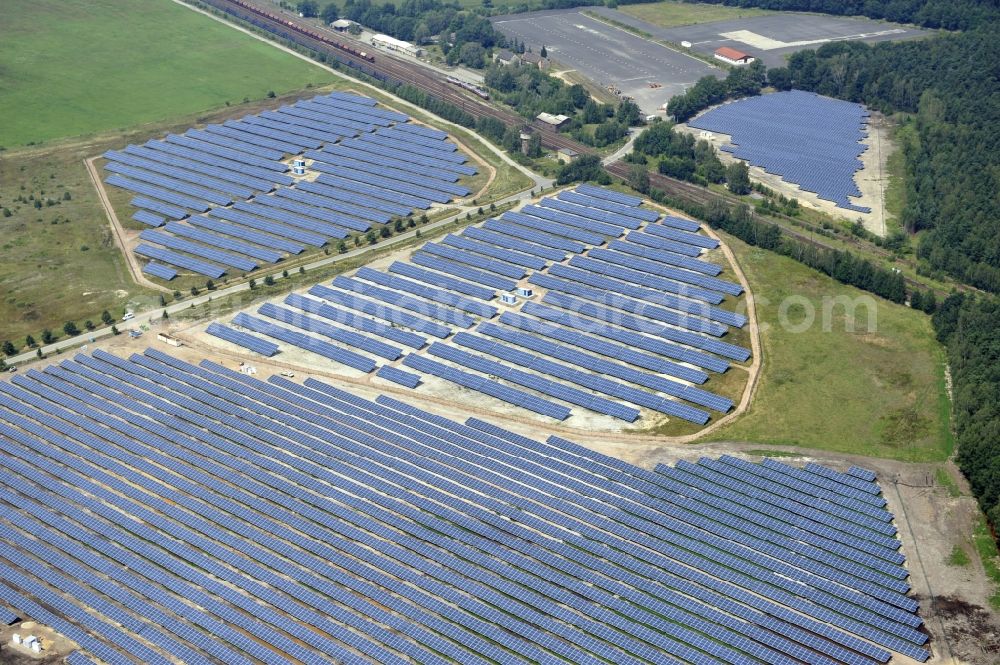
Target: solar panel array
{"points": [[624, 326], [7, 616], [373, 167], [807, 139], [157, 511]]}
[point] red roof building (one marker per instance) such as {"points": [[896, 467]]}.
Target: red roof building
{"points": [[732, 56]]}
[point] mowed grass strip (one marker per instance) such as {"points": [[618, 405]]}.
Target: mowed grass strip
{"points": [[877, 392], [73, 67], [673, 13]]}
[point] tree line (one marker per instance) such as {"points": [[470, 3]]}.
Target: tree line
{"points": [[969, 327], [844, 266]]}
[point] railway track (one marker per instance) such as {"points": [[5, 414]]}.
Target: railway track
{"points": [[388, 68]]}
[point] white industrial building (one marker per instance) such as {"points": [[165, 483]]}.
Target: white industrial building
{"points": [[392, 44], [733, 57]]}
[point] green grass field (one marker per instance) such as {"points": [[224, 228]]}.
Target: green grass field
{"points": [[878, 393], [673, 13], [72, 67]]}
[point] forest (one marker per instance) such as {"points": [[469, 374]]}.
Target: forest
{"points": [[530, 91], [464, 36], [949, 94], [970, 328]]}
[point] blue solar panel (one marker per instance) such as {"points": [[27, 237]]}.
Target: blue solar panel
{"points": [[484, 249], [590, 381], [148, 218], [600, 228], [533, 236], [420, 162], [181, 261], [430, 260], [169, 183], [157, 193], [430, 293], [420, 304], [348, 196], [656, 268], [609, 195], [161, 271], [165, 209], [582, 199], [590, 213], [213, 154], [298, 231], [332, 155], [221, 241], [685, 237], [554, 228], [523, 246], [444, 281], [603, 366], [665, 256], [307, 112], [422, 130], [406, 133], [348, 337], [678, 312], [278, 243], [619, 334], [807, 139], [372, 191], [230, 130], [299, 513], [487, 386], [231, 140], [657, 242], [319, 136], [309, 230], [304, 341], [402, 145], [322, 201], [183, 245], [408, 379], [352, 320], [7, 616], [198, 176], [378, 310], [641, 323], [295, 140], [243, 339], [383, 182]]}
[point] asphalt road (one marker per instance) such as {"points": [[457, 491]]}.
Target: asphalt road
{"points": [[607, 55], [771, 38]]}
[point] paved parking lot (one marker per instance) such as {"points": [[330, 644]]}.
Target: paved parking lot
{"points": [[607, 55], [771, 38]]}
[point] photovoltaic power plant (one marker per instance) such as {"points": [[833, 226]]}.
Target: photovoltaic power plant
{"points": [[155, 511], [807, 139], [371, 164], [611, 325]]}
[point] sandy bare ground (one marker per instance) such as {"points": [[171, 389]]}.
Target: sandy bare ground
{"points": [[118, 231]]}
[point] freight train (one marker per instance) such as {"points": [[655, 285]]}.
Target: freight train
{"points": [[291, 25]]}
